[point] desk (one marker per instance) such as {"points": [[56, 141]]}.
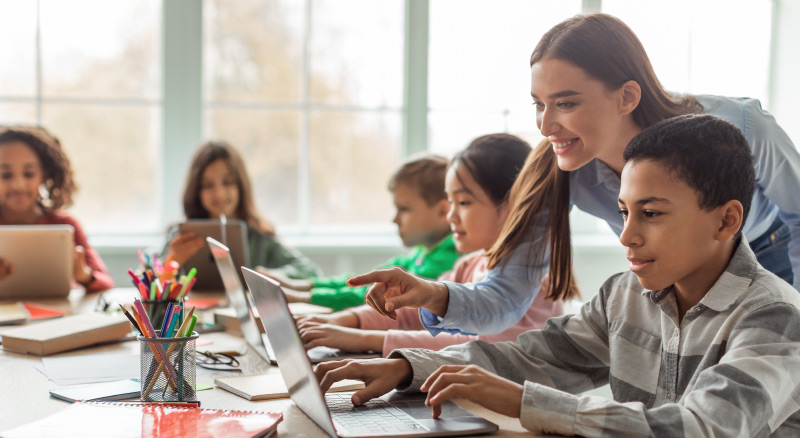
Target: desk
{"points": [[24, 390]]}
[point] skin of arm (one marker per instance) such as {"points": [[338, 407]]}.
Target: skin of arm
{"points": [[349, 339]]}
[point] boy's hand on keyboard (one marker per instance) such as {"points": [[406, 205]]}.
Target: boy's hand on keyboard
{"points": [[473, 383], [344, 338], [395, 288], [379, 376]]}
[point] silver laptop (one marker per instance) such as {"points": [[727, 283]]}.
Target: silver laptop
{"points": [[243, 304], [42, 259], [232, 233], [394, 414]]}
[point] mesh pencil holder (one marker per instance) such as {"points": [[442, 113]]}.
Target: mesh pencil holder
{"points": [[168, 368]]}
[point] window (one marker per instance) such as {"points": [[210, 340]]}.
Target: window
{"points": [[318, 94], [311, 93], [93, 80]]}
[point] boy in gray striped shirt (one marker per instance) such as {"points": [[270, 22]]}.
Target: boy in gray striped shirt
{"points": [[696, 340]]}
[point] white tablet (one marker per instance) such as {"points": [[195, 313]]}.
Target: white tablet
{"points": [[232, 234], [42, 259]]}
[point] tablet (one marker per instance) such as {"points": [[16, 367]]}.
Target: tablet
{"points": [[233, 235], [42, 259]]}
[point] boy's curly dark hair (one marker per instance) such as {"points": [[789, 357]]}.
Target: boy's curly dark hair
{"points": [[707, 153], [56, 169]]}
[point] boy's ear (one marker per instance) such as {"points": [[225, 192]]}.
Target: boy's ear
{"points": [[732, 217], [442, 208], [630, 97]]}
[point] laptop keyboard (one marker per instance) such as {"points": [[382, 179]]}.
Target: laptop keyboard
{"points": [[375, 417]]}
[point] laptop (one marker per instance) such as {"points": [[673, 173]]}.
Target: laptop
{"points": [[42, 259], [393, 415], [242, 302], [232, 233]]}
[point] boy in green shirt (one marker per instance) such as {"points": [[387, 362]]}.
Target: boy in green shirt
{"points": [[422, 207]]}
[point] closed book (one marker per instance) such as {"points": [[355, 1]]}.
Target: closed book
{"points": [[269, 386], [12, 314], [106, 391], [63, 334], [120, 420]]}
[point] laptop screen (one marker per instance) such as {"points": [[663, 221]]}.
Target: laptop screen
{"points": [[288, 346], [236, 296]]}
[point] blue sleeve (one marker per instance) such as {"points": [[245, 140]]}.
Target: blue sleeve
{"points": [[777, 168], [494, 304]]}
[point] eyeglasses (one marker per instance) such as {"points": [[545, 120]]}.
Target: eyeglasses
{"points": [[217, 361]]}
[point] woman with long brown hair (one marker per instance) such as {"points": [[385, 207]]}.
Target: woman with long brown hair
{"points": [[594, 89]]}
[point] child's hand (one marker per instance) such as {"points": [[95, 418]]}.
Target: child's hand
{"points": [[296, 284], [6, 268], [184, 246], [345, 318], [473, 383], [293, 296], [379, 376], [81, 272], [349, 339], [395, 288]]}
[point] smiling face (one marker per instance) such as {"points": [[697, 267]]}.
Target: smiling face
{"points": [[21, 175], [670, 240], [219, 192], [474, 218], [580, 116]]}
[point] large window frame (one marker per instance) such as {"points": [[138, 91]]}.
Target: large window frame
{"points": [[183, 103]]}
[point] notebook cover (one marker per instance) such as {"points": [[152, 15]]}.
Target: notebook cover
{"points": [[67, 333], [270, 386], [117, 390], [38, 311], [120, 420]]}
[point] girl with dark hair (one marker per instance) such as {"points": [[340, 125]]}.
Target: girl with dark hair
{"points": [[36, 184], [479, 185], [594, 90], [218, 184]]}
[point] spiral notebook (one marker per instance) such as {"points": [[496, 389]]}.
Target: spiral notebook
{"points": [[120, 420]]}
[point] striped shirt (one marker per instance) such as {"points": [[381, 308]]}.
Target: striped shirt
{"points": [[730, 368]]}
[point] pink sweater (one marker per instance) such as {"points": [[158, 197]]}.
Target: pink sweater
{"points": [[407, 331]]}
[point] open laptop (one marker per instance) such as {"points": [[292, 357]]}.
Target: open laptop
{"points": [[394, 414], [244, 306], [42, 259], [232, 233]]}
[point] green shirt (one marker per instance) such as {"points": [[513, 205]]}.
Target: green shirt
{"points": [[429, 263]]}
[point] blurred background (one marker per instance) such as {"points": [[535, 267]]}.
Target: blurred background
{"points": [[326, 97]]}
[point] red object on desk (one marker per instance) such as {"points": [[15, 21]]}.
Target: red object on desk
{"points": [[203, 303], [37, 311], [112, 420]]}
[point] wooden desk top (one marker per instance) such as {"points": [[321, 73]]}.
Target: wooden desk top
{"points": [[24, 390]]}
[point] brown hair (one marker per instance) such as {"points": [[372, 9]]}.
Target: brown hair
{"points": [[424, 173], [539, 198], [56, 169], [608, 50], [206, 154]]}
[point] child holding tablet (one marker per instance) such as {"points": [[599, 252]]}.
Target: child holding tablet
{"points": [[36, 183], [477, 185], [218, 185]]}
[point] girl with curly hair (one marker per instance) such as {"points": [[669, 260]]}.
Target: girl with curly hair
{"points": [[36, 184]]}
